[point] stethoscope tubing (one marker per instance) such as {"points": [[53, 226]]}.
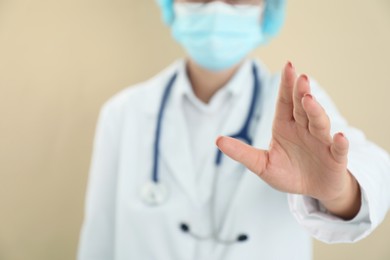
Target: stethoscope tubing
{"points": [[243, 135], [155, 175]]}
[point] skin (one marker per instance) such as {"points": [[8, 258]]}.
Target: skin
{"points": [[303, 158], [206, 83]]}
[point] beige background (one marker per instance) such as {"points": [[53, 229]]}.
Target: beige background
{"points": [[60, 60]]}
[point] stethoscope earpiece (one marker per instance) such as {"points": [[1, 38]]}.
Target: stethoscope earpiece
{"points": [[242, 238], [185, 228]]}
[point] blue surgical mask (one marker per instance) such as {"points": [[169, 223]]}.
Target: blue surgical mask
{"points": [[217, 35]]}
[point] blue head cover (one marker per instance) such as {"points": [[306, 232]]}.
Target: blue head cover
{"points": [[273, 18]]}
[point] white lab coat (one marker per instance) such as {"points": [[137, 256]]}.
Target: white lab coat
{"points": [[118, 225]]}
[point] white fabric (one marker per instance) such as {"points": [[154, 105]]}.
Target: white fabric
{"points": [[205, 122], [119, 226]]}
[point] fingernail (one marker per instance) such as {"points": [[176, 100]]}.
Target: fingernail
{"points": [[290, 65], [341, 134], [308, 95], [304, 76]]}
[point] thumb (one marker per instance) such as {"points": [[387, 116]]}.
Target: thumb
{"points": [[254, 159]]}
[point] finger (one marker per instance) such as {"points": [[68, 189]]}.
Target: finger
{"points": [[301, 88], [319, 124], [254, 159], [284, 105], [339, 148]]}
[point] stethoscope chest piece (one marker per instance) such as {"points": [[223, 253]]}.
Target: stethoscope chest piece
{"points": [[153, 194]]}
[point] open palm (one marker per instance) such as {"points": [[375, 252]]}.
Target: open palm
{"points": [[303, 157]]}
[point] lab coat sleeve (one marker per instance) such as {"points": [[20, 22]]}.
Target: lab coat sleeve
{"points": [[370, 165], [97, 236]]}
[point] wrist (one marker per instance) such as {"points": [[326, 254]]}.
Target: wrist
{"points": [[347, 205]]}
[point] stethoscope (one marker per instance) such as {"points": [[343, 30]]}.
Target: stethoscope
{"points": [[155, 193]]}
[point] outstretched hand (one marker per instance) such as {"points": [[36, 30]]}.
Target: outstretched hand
{"points": [[303, 158]]}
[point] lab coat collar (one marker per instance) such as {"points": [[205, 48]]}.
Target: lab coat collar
{"points": [[158, 83], [175, 144]]}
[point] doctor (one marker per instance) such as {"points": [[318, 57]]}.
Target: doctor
{"points": [[160, 189]]}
